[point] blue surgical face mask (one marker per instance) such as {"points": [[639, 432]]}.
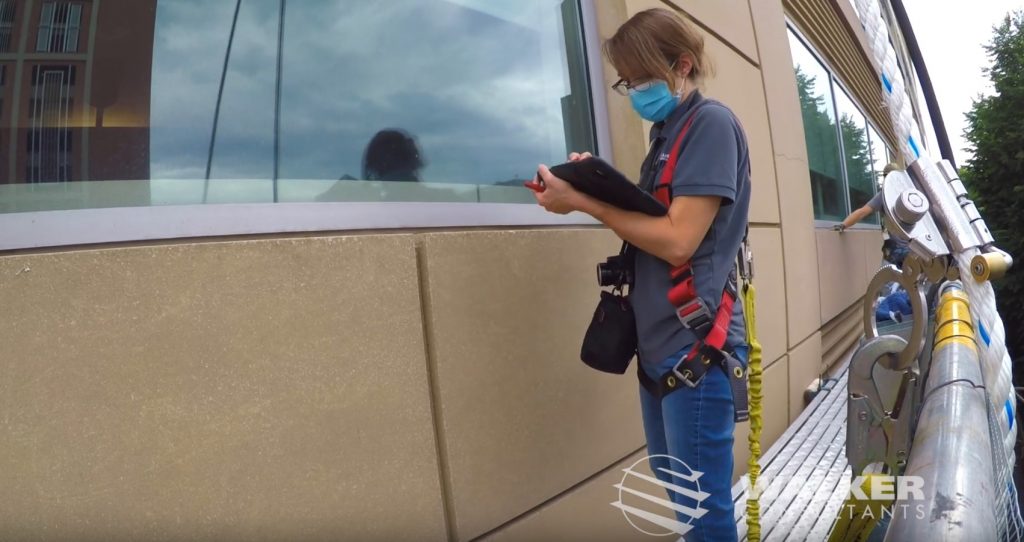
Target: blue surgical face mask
{"points": [[654, 103]]}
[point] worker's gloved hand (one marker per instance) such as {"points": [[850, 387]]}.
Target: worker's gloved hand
{"points": [[839, 227]]}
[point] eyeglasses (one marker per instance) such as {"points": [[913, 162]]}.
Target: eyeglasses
{"points": [[625, 88]]}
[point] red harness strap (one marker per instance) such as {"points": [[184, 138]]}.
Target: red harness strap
{"points": [[663, 190], [694, 315], [683, 293]]}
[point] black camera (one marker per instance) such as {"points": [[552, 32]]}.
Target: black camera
{"points": [[616, 271]]}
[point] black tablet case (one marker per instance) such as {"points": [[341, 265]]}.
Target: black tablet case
{"points": [[596, 178]]}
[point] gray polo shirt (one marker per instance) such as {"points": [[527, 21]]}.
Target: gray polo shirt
{"points": [[713, 161], [875, 203]]}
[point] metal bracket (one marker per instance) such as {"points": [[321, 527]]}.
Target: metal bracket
{"points": [[909, 278], [875, 431], [907, 216]]}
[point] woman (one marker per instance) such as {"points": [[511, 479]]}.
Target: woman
{"points": [[661, 61]]}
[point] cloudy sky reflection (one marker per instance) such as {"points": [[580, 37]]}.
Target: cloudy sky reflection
{"points": [[478, 83]]}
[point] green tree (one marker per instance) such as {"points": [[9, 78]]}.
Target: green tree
{"points": [[858, 160], [822, 147], [996, 172]]}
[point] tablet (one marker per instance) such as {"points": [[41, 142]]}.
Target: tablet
{"points": [[595, 177]]}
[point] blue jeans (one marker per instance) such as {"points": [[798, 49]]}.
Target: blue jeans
{"points": [[695, 426]]}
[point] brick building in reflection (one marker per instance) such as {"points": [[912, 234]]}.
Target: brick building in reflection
{"points": [[75, 90]]}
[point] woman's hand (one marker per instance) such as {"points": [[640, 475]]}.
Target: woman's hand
{"points": [[557, 196], [577, 156]]}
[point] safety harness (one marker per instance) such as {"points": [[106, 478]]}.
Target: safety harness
{"points": [[711, 330]]}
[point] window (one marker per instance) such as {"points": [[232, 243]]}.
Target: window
{"points": [[817, 109], [48, 143], [845, 154], [326, 101], [58, 27], [6, 24], [856, 151], [3, 82], [880, 157]]}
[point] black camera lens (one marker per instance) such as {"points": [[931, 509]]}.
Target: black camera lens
{"points": [[605, 276]]}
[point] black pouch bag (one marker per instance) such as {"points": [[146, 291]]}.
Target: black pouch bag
{"points": [[610, 342]]}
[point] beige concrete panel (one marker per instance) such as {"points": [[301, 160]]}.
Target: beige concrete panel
{"points": [[737, 84], [871, 248], [790, 153], [841, 266], [804, 367], [729, 20], [584, 513], [766, 244], [523, 418], [872, 253], [628, 134], [271, 389]]}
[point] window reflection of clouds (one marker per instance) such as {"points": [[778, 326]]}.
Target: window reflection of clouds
{"points": [[473, 88], [481, 92], [186, 74]]}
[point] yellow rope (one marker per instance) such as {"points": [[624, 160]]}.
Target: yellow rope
{"points": [[754, 438]]}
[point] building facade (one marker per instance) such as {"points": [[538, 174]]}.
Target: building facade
{"points": [[268, 270]]}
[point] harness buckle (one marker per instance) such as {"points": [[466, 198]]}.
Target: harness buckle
{"points": [[695, 316], [686, 375]]}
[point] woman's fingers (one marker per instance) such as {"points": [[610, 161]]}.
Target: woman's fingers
{"points": [[546, 176], [577, 156]]}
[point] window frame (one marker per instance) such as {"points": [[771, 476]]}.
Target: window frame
{"points": [[90, 226], [71, 32], [836, 85]]}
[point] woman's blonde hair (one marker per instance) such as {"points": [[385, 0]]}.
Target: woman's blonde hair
{"points": [[650, 43]]}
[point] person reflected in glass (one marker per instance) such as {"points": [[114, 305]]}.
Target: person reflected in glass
{"points": [[392, 155], [661, 61]]}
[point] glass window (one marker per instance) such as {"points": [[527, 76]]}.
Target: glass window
{"points": [[856, 151], [192, 101], [880, 157], [58, 27], [6, 24], [818, 111], [846, 156]]}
